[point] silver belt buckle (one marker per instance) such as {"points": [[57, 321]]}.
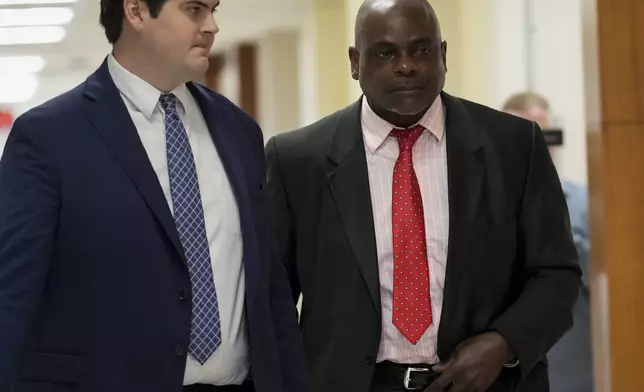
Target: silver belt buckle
{"points": [[407, 377]]}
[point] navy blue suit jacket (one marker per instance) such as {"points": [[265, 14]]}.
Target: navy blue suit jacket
{"points": [[92, 274]]}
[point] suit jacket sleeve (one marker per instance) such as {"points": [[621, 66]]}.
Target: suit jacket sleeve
{"points": [[542, 313], [281, 218], [289, 337], [28, 221]]}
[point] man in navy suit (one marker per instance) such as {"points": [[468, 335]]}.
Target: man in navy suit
{"points": [[134, 247]]}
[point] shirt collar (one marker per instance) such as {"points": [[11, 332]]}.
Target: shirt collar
{"points": [[376, 130], [143, 96]]}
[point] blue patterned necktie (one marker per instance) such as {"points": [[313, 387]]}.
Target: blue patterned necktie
{"points": [[205, 336]]}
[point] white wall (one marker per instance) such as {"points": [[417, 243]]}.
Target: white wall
{"points": [[510, 32], [542, 50], [307, 65], [559, 74], [279, 98]]}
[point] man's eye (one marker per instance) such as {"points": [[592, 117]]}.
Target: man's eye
{"points": [[385, 54], [424, 51]]}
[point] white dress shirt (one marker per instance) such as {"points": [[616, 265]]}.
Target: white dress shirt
{"points": [[430, 164], [230, 363]]}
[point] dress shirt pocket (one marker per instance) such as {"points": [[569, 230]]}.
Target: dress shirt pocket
{"points": [[54, 367]]}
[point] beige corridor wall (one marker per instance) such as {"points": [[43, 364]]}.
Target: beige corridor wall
{"points": [[448, 14], [279, 93], [333, 77]]}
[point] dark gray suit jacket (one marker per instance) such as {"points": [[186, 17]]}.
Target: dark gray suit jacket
{"points": [[511, 263]]}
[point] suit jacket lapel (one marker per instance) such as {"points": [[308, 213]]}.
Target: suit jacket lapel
{"points": [[109, 116], [349, 182], [227, 142], [465, 168]]}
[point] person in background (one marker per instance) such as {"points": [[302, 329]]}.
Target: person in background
{"points": [[135, 253], [430, 252], [571, 364]]}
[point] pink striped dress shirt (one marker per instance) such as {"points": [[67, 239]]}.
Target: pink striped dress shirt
{"points": [[430, 163]]}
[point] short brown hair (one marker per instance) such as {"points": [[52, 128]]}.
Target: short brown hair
{"points": [[524, 101], [112, 15]]}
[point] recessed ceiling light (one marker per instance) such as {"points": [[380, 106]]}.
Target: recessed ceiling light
{"points": [[42, 16], [34, 2], [31, 35], [21, 64]]}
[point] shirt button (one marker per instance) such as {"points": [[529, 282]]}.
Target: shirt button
{"points": [[180, 350], [183, 295]]}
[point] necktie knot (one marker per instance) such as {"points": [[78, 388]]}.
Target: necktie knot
{"points": [[168, 102], [407, 137]]}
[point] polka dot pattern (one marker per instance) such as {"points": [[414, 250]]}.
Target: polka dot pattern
{"points": [[412, 312]]}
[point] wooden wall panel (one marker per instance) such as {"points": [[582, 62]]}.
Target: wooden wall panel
{"points": [[621, 59], [248, 90], [616, 179], [212, 77], [624, 252]]}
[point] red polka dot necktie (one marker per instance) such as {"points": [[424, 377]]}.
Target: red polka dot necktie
{"points": [[412, 313]]}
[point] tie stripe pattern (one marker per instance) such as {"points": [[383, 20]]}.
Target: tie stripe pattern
{"points": [[412, 313], [205, 335]]}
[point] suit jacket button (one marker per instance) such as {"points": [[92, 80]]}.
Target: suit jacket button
{"points": [[370, 360], [180, 350], [183, 295]]}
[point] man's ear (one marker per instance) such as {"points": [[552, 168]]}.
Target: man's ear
{"points": [[444, 54], [132, 10], [354, 59]]}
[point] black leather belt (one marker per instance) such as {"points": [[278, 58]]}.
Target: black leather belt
{"points": [[404, 377]]}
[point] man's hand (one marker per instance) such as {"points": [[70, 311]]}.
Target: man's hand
{"points": [[474, 365]]}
